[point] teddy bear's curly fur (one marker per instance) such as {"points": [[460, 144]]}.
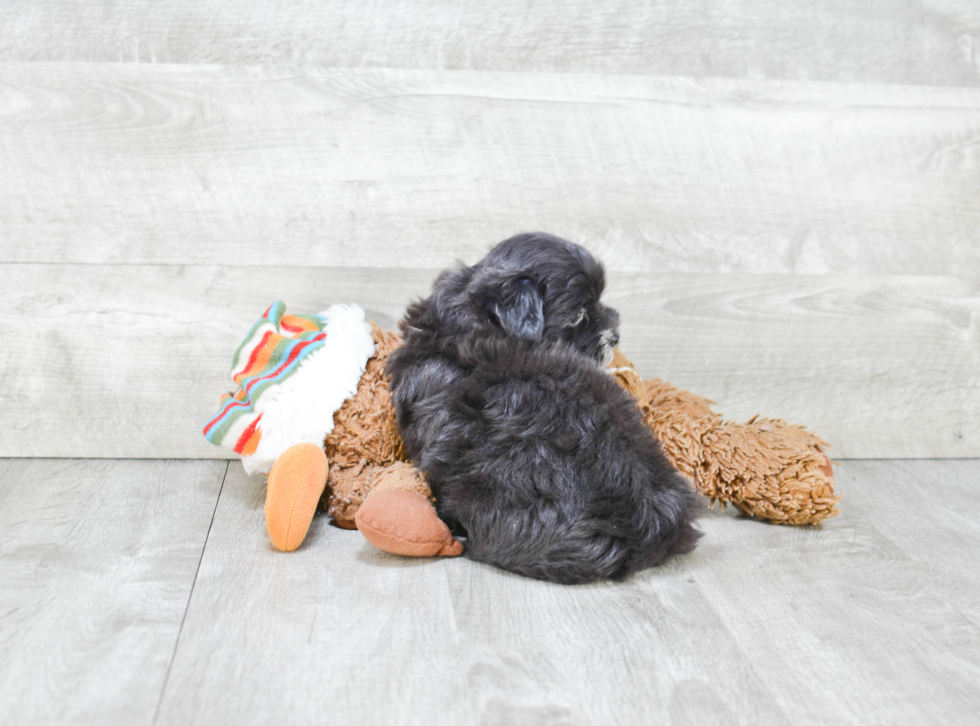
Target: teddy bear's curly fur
{"points": [[765, 468], [364, 442]]}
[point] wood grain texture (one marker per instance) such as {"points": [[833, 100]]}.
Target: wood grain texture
{"points": [[943, 537], [872, 618], [97, 561], [893, 360], [341, 167], [866, 619], [339, 631], [761, 624], [935, 42], [129, 361]]}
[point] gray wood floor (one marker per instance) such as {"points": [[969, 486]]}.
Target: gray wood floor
{"points": [[142, 592]]}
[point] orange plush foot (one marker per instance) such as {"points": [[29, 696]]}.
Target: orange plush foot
{"points": [[295, 484], [405, 523]]}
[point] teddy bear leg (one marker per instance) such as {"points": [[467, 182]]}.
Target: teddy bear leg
{"points": [[397, 517], [295, 484], [766, 468], [772, 471]]}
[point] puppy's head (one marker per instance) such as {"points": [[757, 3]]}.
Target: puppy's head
{"points": [[533, 287]]}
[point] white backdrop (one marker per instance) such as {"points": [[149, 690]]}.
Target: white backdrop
{"points": [[788, 200]]}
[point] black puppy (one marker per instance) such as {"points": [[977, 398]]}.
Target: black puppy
{"points": [[535, 454]]}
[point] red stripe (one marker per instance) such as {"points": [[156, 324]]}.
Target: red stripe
{"points": [[248, 386], [226, 409], [292, 328], [292, 356], [246, 402], [247, 434], [255, 352]]}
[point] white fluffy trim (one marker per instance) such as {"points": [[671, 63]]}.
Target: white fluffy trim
{"points": [[301, 409]]}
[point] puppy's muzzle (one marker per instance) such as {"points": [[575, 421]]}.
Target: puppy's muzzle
{"points": [[608, 340]]}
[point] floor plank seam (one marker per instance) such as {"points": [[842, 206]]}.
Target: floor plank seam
{"points": [[190, 597]]}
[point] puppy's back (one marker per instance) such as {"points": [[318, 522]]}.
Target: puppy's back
{"points": [[553, 474]]}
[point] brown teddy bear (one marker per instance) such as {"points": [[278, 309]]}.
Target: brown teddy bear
{"points": [[356, 467], [766, 468]]}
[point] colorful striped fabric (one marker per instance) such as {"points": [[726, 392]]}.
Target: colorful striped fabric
{"points": [[272, 351]]}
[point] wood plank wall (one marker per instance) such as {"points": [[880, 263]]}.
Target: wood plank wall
{"points": [[787, 199]]}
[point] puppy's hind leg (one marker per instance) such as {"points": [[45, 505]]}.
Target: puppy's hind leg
{"points": [[534, 542]]}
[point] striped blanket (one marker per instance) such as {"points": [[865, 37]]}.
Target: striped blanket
{"points": [[292, 372]]}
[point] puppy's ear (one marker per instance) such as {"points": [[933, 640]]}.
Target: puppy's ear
{"points": [[513, 299]]}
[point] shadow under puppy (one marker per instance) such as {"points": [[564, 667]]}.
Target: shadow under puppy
{"points": [[534, 453]]}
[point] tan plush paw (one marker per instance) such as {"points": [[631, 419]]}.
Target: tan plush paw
{"points": [[295, 484], [405, 523]]}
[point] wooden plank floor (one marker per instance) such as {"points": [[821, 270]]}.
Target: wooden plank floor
{"points": [[831, 40], [147, 593], [881, 366], [97, 561], [183, 165]]}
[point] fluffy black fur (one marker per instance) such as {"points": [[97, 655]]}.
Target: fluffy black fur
{"points": [[535, 454]]}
